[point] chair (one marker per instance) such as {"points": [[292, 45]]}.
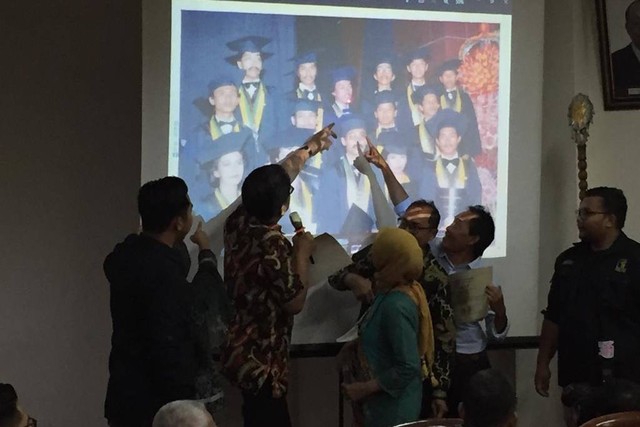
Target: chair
{"points": [[435, 422], [620, 419]]}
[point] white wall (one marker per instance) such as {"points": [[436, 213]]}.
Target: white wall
{"points": [[70, 168]]}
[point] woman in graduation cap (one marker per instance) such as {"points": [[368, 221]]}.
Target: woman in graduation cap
{"points": [[223, 164]]}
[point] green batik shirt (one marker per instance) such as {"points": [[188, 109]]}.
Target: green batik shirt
{"points": [[434, 281]]}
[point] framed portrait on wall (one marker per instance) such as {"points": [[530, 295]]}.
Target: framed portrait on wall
{"points": [[619, 40]]}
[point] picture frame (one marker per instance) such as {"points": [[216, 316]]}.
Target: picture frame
{"points": [[620, 65]]}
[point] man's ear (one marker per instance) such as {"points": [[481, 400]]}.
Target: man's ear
{"points": [[211, 101]]}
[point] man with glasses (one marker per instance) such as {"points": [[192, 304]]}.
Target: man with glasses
{"points": [[465, 240], [420, 219], [592, 318]]}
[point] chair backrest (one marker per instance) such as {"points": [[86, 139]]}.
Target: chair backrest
{"points": [[620, 419], [435, 422]]}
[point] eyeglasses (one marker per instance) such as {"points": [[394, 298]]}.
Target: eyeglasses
{"points": [[291, 189], [411, 226], [583, 214]]}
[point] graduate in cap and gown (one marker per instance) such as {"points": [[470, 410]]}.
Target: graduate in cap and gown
{"points": [[458, 185], [258, 107], [342, 188], [455, 98], [427, 100], [384, 76], [417, 62], [385, 115], [419, 183], [342, 92], [306, 69], [222, 165]]}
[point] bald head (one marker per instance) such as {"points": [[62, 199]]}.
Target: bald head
{"points": [[183, 413]]}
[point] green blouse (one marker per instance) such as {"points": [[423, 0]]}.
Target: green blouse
{"points": [[389, 339]]}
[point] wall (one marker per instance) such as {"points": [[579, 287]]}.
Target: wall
{"points": [[70, 168]]}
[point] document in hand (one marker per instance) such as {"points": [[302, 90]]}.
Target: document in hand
{"points": [[327, 313], [468, 298]]}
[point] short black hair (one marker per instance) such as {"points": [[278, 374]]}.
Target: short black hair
{"points": [[613, 201], [265, 190], [434, 219], [489, 399], [615, 395], [8, 404], [483, 227], [160, 201]]}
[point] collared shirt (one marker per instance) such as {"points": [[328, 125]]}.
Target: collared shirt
{"points": [[471, 338], [260, 279], [434, 283]]}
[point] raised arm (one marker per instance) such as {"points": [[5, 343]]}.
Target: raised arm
{"points": [[397, 192]]}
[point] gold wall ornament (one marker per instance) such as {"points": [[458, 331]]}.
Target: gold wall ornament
{"points": [[580, 117]]}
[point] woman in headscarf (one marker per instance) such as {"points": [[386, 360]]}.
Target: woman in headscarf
{"points": [[394, 351]]}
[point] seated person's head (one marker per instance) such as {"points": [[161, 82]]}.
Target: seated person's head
{"points": [[265, 193], [489, 401], [183, 413], [616, 395], [164, 205], [10, 413], [421, 219]]}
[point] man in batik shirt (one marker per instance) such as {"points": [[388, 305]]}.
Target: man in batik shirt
{"points": [[267, 278]]}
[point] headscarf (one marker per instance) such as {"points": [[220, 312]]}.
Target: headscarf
{"points": [[397, 256]]}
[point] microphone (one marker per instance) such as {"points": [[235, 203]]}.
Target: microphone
{"points": [[296, 221]]}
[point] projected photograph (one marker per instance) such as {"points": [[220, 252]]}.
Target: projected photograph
{"points": [[251, 87], [250, 82]]}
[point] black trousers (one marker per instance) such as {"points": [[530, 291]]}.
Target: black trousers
{"points": [[463, 369], [264, 410]]}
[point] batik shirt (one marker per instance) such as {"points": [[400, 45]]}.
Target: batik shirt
{"points": [[260, 279], [435, 284]]}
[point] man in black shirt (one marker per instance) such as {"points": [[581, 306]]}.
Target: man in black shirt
{"points": [[592, 317], [157, 347]]}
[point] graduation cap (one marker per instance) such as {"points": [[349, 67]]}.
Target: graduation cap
{"points": [[225, 144], [420, 53], [303, 104], [385, 97], [292, 137], [342, 73], [357, 222], [447, 118], [349, 122], [450, 65], [221, 81], [383, 57], [247, 44], [421, 91], [305, 58]]}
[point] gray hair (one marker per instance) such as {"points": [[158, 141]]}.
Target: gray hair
{"points": [[183, 413]]}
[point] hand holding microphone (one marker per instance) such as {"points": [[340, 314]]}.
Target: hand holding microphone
{"points": [[303, 242]]}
